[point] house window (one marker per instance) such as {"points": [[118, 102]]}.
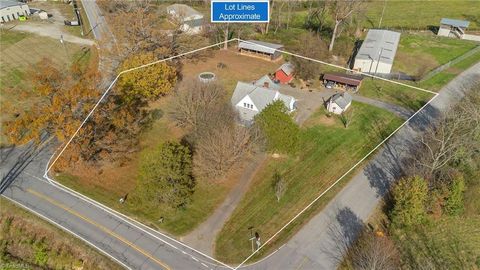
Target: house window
{"points": [[245, 105]]}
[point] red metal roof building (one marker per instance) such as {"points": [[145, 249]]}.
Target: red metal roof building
{"points": [[285, 73]]}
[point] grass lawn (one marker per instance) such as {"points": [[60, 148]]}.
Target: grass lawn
{"points": [[419, 53], [18, 59], [420, 14], [436, 82], [327, 151], [29, 241], [393, 93]]}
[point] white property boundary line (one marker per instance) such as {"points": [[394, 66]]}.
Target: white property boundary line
{"points": [[140, 225], [67, 230]]}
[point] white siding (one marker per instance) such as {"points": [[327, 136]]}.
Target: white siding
{"points": [[13, 12], [247, 100]]}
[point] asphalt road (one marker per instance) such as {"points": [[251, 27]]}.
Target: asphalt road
{"points": [[138, 247], [97, 20]]}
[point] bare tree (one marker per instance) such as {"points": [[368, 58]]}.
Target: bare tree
{"points": [[340, 11], [194, 100], [371, 251], [219, 148], [279, 185]]}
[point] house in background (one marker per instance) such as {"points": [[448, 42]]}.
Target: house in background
{"points": [[191, 21], [377, 52], [342, 81], [12, 10], [260, 49], [339, 103], [285, 73], [250, 99], [456, 29]]}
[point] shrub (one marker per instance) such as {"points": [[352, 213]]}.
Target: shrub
{"points": [[454, 204], [409, 196]]}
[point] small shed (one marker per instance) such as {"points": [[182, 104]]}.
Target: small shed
{"points": [[339, 103], [452, 28], [342, 81], [284, 74], [261, 49]]}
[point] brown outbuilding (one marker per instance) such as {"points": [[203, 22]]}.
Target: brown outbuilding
{"points": [[342, 81]]}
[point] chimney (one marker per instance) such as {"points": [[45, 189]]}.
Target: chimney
{"points": [[266, 85]]}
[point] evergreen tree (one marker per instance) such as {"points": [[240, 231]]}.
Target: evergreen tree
{"points": [[166, 176], [279, 129], [454, 204]]}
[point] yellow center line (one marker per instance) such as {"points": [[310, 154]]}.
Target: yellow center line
{"points": [[101, 227]]}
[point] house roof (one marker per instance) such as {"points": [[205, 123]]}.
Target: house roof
{"points": [[10, 3], [379, 44], [342, 100], [456, 23], [260, 46], [267, 79], [194, 23], [260, 96], [287, 68], [183, 10], [354, 80]]}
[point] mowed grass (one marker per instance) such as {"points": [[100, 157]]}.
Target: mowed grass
{"points": [[420, 14], [404, 96], [327, 150], [20, 53], [419, 53]]}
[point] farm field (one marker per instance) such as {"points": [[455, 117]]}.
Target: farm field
{"points": [[18, 61], [121, 179], [327, 151]]}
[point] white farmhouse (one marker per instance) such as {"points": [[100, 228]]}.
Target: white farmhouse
{"points": [[250, 99], [191, 21], [377, 52], [12, 10], [339, 103]]}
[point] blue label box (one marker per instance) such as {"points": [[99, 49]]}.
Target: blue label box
{"points": [[240, 11]]}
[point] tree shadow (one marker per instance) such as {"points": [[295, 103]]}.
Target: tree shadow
{"points": [[343, 231]]}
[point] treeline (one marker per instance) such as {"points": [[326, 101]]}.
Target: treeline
{"points": [[431, 192]]}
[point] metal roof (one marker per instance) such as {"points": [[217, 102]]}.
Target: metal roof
{"points": [[183, 10], [456, 23], [343, 78], [287, 68], [379, 45], [342, 100], [259, 46], [10, 3]]}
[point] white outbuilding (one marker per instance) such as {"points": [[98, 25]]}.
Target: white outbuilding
{"points": [[339, 103], [377, 52], [12, 10]]}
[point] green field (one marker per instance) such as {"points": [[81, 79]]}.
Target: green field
{"points": [[327, 151], [419, 53], [409, 14]]}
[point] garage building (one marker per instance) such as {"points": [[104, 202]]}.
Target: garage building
{"points": [[377, 52], [342, 81], [12, 10]]}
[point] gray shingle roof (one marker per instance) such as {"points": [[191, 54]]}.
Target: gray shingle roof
{"points": [[378, 42], [194, 23], [266, 79], [183, 10], [342, 100], [260, 46], [260, 97], [10, 3], [453, 22]]}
